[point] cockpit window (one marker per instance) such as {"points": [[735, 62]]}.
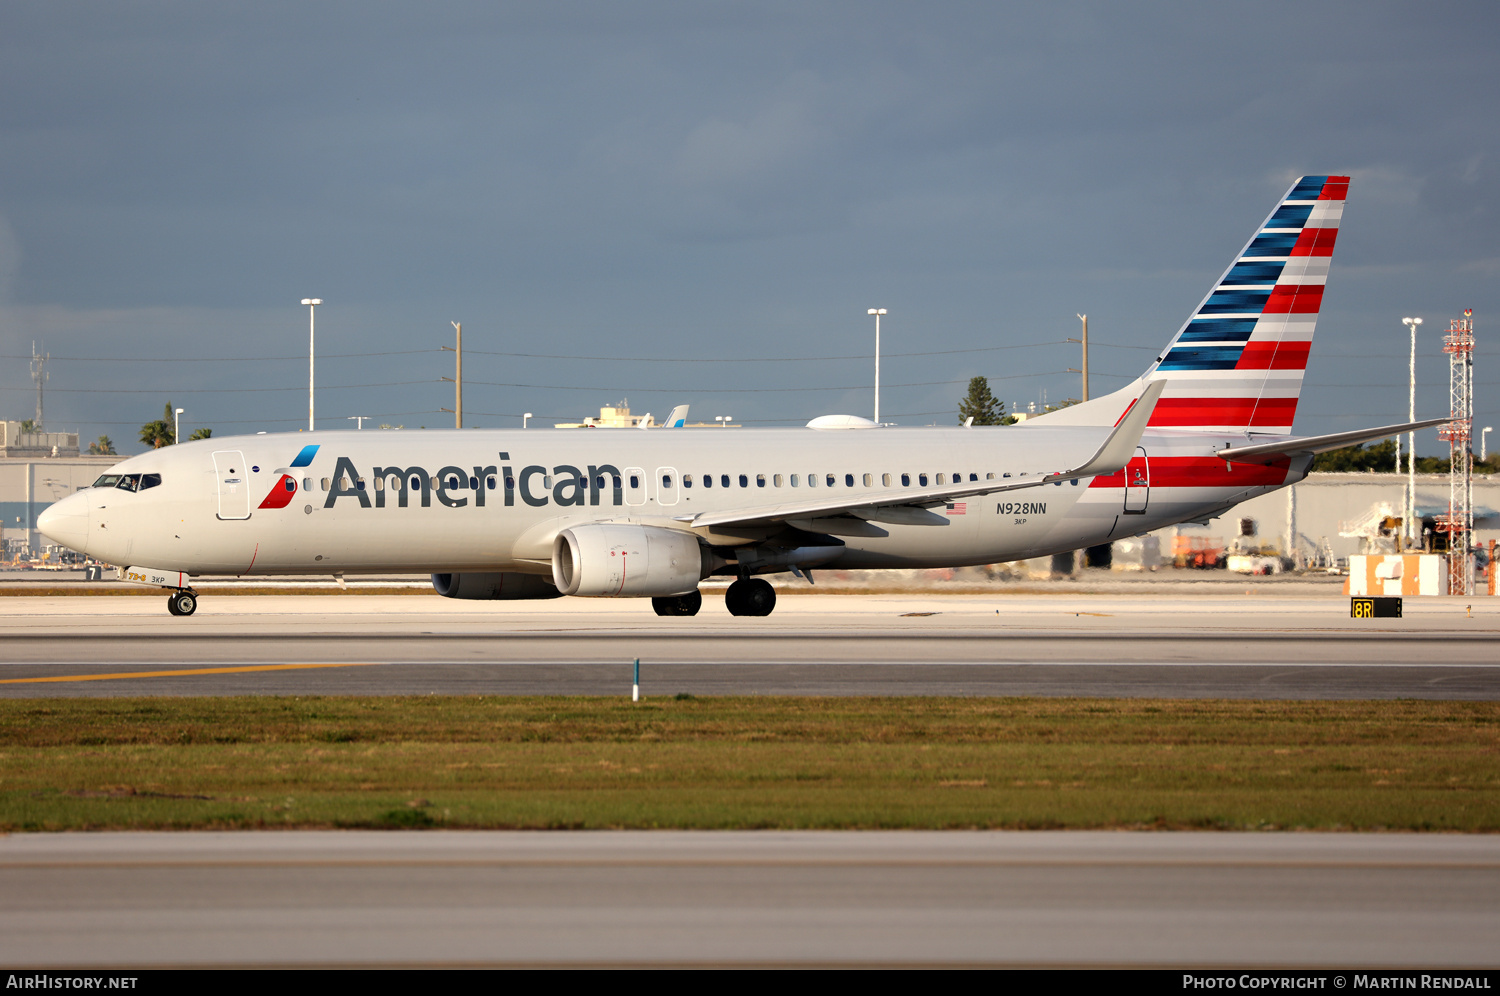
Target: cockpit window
{"points": [[149, 481], [129, 482], [107, 481]]}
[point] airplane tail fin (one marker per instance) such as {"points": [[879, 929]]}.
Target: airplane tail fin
{"points": [[677, 419], [1236, 364]]}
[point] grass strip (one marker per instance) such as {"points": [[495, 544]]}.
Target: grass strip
{"points": [[747, 761]]}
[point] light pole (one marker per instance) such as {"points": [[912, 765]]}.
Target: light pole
{"points": [[358, 420], [526, 418], [877, 312], [1482, 432], [312, 338], [177, 425], [1411, 437], [724, 420]]}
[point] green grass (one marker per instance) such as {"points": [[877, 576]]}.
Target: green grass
{"points": [[72, 764]]}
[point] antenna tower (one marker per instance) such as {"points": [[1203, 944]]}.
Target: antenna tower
{"points": [[1459, 522], [39, 376]]}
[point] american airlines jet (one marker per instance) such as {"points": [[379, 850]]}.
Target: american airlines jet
{"points": [[502, 514]]}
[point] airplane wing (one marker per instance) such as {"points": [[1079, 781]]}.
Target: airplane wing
{"points": [[1112, 456], [1271, 452]]}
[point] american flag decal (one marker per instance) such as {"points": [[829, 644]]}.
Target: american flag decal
{"points": [[957, 507]]}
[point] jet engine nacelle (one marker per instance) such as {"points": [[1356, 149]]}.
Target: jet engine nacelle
{"points": [[487, 586], [611, 560]]}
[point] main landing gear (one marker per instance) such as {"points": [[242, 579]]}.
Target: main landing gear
{"points": [[182, 602], [750, 597], [678, 605]]}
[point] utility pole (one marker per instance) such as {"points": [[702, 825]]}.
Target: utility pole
{"points": [[1085, 342], [458, 376]]}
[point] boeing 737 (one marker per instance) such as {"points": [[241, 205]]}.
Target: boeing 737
{"points": [[511, 514]]}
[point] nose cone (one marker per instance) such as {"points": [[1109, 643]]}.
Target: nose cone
{"points": [[67, 522]]}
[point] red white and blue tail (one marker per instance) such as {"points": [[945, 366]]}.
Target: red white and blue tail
{"points": [[1236, 365]]}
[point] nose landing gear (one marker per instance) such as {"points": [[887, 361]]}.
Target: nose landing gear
{"points": [[182, 602]]}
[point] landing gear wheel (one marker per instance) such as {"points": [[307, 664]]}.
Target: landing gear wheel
{"points": [[678, 605], [750, 597], [182, 603]]}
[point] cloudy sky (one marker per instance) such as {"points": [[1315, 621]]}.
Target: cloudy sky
{"points": [[697, 202]]}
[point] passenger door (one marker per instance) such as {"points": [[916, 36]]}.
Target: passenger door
{"points": [[232, 483], [666, 481]]}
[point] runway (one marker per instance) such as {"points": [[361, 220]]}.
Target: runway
{"points": [[748, 898], [1243, 645]]}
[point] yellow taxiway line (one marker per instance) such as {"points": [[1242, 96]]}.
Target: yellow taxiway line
{"points": [[180, 671]]}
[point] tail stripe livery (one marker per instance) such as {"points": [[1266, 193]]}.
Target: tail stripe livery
{"points": [[1237, 363]]}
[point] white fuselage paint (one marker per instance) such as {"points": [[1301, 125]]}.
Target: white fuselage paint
{"points": [[206, 516]]}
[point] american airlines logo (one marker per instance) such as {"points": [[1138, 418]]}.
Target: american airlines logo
{"points": [[455, 487]]}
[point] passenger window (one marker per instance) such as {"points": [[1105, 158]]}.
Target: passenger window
{"points": [[973, 477], [795, 480], [150, 481], [635, 482], [869, 480], [812, 480], [290, 484], [379, 484], [724, 480], [360, 483], [906, 480], [848, 480], [307, 484], [473, 484], [760, 480], [324, 482], [708, 480], [830, 480], [990, 476], [616, 481], [941, 479], [666, 480], [547, 481], [489, 482], [1074, 482], [885, 480], [922, 480], [776, 480], [687, 480]]}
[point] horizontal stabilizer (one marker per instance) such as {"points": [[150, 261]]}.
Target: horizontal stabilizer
{"points": [[1264, 453]]}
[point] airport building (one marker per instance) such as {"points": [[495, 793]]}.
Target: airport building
{"points": [[37, 469]]}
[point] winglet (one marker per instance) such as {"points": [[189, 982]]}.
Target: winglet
{"points": [[1120, 446]]}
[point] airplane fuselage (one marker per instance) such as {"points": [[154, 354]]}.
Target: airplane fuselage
{"points": [[493, 500]]}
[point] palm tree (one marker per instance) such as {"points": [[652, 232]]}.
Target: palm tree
{"points": [[159, 433], [202, 434], [103, 447]]}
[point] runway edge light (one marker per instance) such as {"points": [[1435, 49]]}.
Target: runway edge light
{"points": [[635, 682]]}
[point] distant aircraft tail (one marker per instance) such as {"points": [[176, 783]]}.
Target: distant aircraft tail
{"points": [[677, 419], [1236, 364]]}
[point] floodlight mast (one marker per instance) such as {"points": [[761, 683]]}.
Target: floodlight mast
{"points": [[1411, 439], [877, 312], [312, 339]]}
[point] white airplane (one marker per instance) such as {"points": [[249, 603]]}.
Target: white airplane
{"points": [[502, 514]]}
